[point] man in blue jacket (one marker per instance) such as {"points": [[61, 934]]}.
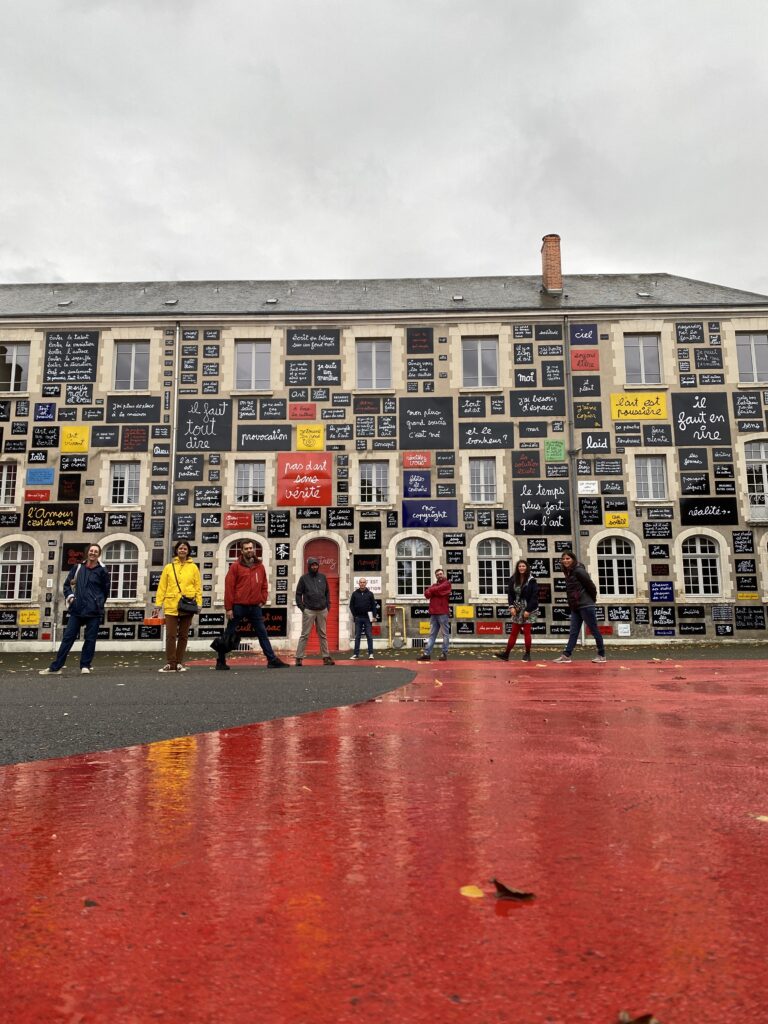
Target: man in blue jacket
{"points": [[86, 590]]}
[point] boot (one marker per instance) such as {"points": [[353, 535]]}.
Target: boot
{"points": [[504, 655], [527, 655]]}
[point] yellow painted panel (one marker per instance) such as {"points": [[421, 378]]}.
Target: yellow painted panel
{"points": [[639, 405]]}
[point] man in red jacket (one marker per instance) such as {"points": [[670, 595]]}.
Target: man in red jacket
{"points": [[245, 591], [438, 595]]}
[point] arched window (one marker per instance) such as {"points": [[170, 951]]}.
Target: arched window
{"points": [[236, 547], [701, 567], [17, 568], [414, 567], [616, 567], [756, 454], [494, 565], [122, 559]]}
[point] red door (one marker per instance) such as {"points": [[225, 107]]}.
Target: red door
{"points": [[327, 553]]}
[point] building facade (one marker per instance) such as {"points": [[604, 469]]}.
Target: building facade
{"points": [[390, 428]]}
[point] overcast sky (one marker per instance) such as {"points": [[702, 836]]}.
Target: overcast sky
{"points": [[199, 139]]}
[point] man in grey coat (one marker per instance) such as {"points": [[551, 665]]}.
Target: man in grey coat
{"points": [[314, 599]]}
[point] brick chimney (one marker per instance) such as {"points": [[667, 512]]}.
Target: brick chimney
{"points": [[551, 273]]}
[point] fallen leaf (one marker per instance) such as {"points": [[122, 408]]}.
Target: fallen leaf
{"points": [[760, 817], [503, 892], [645, 1018], [438, 682], [472, 892]]}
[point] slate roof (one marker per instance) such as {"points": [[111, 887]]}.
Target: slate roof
{"points": [[354, 297]]}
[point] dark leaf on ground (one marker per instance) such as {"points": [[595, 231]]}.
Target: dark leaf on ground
{"points": [[503, 892]]}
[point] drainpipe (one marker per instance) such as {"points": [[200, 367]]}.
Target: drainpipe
{"points": [[573, 451], [174, 429]]}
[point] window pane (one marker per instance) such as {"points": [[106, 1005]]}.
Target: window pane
{"points": [[651, 361], [14, 367], [8, 471], [488, 371], [383, 369], [141, 366], [760, 347], [632, 362]]}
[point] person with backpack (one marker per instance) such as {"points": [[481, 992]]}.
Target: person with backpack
{"points": [[86, 590], [523, 597], [582, 595]]}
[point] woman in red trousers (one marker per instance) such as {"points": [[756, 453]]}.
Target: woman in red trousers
{"points": [[523, 595]]}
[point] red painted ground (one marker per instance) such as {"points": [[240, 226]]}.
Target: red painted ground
{"points": [[308, 871]]}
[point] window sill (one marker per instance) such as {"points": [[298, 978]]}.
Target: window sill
{"points": [[123, 508], [645, 502], [646, 387], [496, 389], [377, 390], [17, 394], [744, 385], [261, 392], [120, 392]]}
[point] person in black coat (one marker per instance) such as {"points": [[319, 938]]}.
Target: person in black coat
{"points": [[362, 604], [86, 590], [523, 597]]}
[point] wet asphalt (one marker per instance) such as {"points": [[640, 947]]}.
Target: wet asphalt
{"points": [[126, 701]]}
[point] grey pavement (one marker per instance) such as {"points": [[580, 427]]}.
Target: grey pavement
{"points": [[126, 701]]}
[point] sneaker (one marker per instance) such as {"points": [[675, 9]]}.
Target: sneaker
{"points": [[370, 657], [527, 656], [49, 672], [181, 668], [276, 663], [297, 663], [504, 655], [564, 659], [328, 661], [599, 660], [166, 668], [424, 657], [443, 657], [222, 666], [84, 671], [354, 657]]}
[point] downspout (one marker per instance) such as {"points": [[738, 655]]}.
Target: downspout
{"points": [[174, 429], [573, 451]]}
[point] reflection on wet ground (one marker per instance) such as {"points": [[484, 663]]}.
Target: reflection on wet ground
{"points": [[336, 867]]}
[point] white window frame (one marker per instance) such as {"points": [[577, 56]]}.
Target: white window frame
{"points": [[257, 354], [137, 380], [16, 359], [473, 374], [415, 553], [123, 565], [125, 476], [250, 482], [374, 481], [494, 566], [375, 376], [483, 483], [651, 478], [745, 347], [645, 342], [9, 478], [756, 463], [616, 567], [701, 560], [17, 570]]}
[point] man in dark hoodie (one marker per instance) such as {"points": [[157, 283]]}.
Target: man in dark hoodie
{"points": [[314, 599], [86, 590], [245, 592]]}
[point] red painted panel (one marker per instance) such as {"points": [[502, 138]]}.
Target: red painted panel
{"points": [[302, 410], [304, 478], [37, 494], [237, 520], [417, 460], [585, 359]]}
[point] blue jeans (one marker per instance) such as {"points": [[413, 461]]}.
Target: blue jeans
{"points": [[587, 615], [251, 613], [436, 623], [71, 633], [363, 625]]}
